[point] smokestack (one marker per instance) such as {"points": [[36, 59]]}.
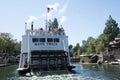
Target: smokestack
{"points": [[32, 27]]}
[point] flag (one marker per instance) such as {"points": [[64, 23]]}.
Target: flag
{"points": [[49, 9]]}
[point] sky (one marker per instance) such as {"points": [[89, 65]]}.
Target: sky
{"points": [[80, 18]]}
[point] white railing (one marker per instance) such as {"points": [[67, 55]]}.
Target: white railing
{"points": [[43, 32]]}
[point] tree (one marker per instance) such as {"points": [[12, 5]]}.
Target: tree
{"points": [[71, 50], [118, 35], [49, 24], [6, 36], [95, 46], [88, 46], [76, 49], [111, 30], [91, 45], [2, 45], [84, 43], [17, 48], [7, 44], [55, 23], [84, 47]]}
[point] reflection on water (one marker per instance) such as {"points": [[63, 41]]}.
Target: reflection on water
{"points": [[107, 72], [6, 72], [83, 72]]}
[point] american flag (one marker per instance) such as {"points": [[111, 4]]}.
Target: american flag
{"points": [[49, 9]]}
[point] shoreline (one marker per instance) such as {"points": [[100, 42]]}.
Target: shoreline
{"points": [[100, 64], [3, 65], [90, 63]]}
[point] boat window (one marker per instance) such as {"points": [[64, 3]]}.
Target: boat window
{"points": [[49, 39], [35, 40], [41, 39], [56, 39], [38, 40]]}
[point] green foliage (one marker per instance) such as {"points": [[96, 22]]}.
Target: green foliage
{"points": [[118, 35], [90, 45], [53, 24], [8, 45], [84, 46], [111, 29], [70, 49], [100, 44], [50, 24], [76, 49]]}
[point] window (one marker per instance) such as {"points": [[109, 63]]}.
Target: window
{"points": [[38, 40], [56, 39], [41, 39], [49, 40], [35, 40]]}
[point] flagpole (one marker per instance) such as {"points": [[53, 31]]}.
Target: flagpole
{"points": [[46, 16], [46, 19]]}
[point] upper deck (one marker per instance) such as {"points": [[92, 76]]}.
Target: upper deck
{"points": [[40, 39], [49, 32]]}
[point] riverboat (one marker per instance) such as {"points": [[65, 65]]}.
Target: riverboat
{"points": [[44, 50]]}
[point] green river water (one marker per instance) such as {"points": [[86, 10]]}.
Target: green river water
{"points": [[82, 72]]}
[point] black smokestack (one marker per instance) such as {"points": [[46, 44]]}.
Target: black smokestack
{"points": [[32, 27]]}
